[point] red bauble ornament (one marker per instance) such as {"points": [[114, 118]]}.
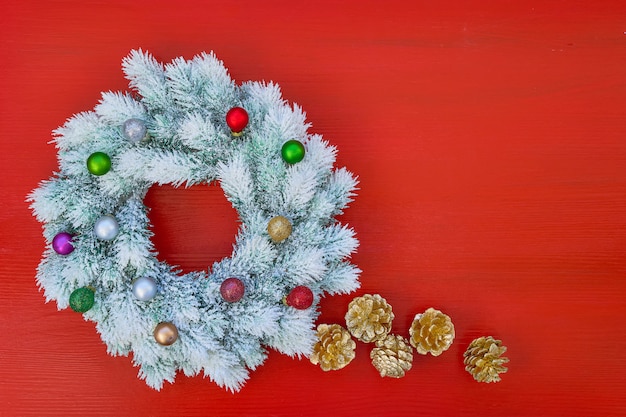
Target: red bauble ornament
{"points": [[300, 297], [237, 119], [232, 290]]}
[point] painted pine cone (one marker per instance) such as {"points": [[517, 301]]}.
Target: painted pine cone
{"points": [[483, 359], [334, 348], [431, 332], [392, 356], [369, 318]]}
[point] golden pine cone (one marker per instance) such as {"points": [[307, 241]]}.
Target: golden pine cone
{"points": [[334, 348], [369, 318], [483, 359], [431, 332], [392, 356]]}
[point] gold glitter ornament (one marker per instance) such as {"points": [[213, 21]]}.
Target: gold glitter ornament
{"points": [[431, 332], [483, 359], [392, 356], [334, 348], [279, 229], [369, 318]]}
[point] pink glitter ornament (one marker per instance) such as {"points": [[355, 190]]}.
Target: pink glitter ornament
{"points": [[232, 289]]}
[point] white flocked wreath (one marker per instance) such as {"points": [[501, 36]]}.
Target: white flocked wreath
{"points": [[183, 106]]}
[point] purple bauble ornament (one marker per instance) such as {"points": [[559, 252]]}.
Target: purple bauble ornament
{"points": [[62, 243]]}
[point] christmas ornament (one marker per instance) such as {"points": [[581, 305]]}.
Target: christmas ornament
{"points": [[483, 359], [392, 356], [369, 318], [180, 104], [300, 297], [431, 332], [62, 243], [98, 163], [106, 227], [279, 229], [144, 288], [81, 299], [232, 289], [165, 333], [237, 120], [292, 151], [134, 130], [334, 348]]}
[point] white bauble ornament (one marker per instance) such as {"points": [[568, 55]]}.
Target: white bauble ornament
{"points": [[144, 288], [106, 227]]}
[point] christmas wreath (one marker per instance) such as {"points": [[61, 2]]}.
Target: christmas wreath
{"points": [[185, 123]]}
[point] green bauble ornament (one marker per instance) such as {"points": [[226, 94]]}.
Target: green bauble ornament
{"points": [[81, 299], [98, 163], [292, 151]]}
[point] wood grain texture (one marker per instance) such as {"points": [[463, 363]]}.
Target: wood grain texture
{"points": [[490, 141]]}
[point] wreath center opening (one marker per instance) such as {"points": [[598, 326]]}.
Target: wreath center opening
{"points": [[193, 227]]}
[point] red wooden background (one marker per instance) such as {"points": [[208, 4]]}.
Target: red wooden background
{"points": [[490, 141]]}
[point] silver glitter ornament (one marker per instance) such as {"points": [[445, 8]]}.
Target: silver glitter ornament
{"points": [[144, 288], [134, 130], [106, 227]]}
